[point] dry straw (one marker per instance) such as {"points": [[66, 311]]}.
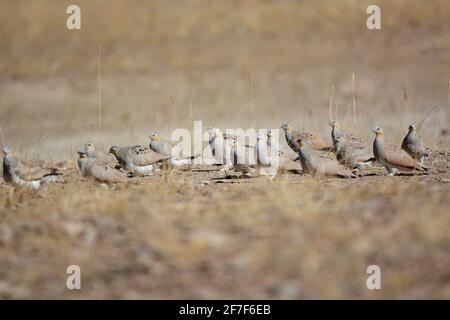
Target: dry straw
{"points": [[425, 116], [99, 88], [1, 134], [354, 98], [331, 102]]}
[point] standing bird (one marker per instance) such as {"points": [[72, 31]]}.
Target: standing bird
{"points": [[265, 156], [394, 160], [352, 156], [315, 164], [292, 137], [139, 160], [221, 146], [336, 131], [164, 147], [242, 161], [413, 145], [100, 170], [16, 173], [92, 152], [160, 145]]}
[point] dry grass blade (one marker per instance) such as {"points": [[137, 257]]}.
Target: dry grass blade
{"points": [[354, 99], [2, 136], [425, 117], [99, 88], [331, 101]]}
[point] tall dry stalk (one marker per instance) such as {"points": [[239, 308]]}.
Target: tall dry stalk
{"points": [[191, 107], [99, 88], [425, 116], [191, 114], [252, 110], [1, 134], [405, 105], [336, 111], [354, 99], [331, 101], [448, 106]]}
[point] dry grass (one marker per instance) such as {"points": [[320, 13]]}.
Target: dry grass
{"points": [[291, 238], [166, 63]]}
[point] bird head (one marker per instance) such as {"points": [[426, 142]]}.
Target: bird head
{"points": [[114, 150], [89, 147], [6, 151], [412, 127], [378, 132], [262, 134], [286, 126], [333, 123], [154, 137], [217, 132]]}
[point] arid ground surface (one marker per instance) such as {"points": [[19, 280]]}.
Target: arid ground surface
{"points": [[231, 64]]}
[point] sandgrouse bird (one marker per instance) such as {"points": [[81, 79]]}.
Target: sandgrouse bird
{"points": [[165, 147], [351, 139], [316, 164], [292, 137], [413, 145], [394, 161], [265, 154], [221, 146], [100, 170], [243, 158], [90, 150], [353, 156], [137, 159], [19, 174], [160, 145]]}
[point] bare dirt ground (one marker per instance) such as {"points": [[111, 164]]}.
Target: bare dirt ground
{"points": [[231, 64]]}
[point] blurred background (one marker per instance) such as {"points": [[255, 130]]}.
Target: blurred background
{"points": [[229, 63]]}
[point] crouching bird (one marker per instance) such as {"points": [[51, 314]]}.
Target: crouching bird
{"points": [[19, 174], [317, 164], [101, 170], [394, 160]]}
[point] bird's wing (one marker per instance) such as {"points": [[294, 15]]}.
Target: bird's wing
{"points": [[325, 155], [360, 154], [107, 157], [107, 174], [400, 158], [35, 163], [355, 142], [143, 156], [316, 142], [392, 147], [32, 173]]}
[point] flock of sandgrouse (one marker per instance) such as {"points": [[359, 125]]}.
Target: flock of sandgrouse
{"points": [[344, 156]]}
